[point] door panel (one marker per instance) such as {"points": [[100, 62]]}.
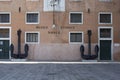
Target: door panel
{"points": [[4, 49], [105, 49]]}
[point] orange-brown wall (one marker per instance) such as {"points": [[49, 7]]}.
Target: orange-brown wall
{"points": [[63, 50]]}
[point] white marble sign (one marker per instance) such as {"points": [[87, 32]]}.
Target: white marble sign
{"points": [[54, 5]]}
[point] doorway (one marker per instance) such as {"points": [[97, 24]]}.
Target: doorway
{"points": [[5, 39], [106, 43]]}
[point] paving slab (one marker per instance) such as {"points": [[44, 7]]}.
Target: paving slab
{"points": [[54, 71]]}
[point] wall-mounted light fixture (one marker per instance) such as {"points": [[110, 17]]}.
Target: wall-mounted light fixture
{"points": [[19, 9], [88, 10]]}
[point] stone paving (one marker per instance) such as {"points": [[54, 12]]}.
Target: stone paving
{"points": [[51, 71]]}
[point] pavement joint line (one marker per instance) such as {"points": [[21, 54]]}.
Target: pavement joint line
{"points": [[49, 62]]}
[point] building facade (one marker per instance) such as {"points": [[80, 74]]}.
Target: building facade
{"points": [[55, 29]]}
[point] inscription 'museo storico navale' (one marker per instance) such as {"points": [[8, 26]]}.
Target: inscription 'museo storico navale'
{"points": [[62, 27], [41, 27], [53, 32], [67, 27]]}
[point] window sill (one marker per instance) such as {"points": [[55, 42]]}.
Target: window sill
{"points": [[32, 42], [5, 23], [106, 23], [32, 23], [76, 23], [75, 42]]}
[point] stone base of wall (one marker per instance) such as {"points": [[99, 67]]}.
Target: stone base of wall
{"points": [[57, 52], [18, 60], [64, 52], [116, 53]]}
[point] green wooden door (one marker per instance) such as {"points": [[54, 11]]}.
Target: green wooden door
{"points": [[4, 49], [105, 49]]}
